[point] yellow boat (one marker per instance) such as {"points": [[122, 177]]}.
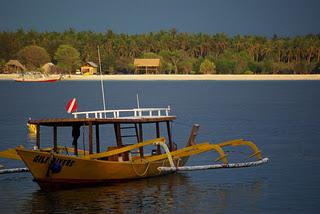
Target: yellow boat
{"points": [[59, 167]]}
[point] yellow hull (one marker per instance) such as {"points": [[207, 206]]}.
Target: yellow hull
{"points": [[77, 170], [52, 170]]}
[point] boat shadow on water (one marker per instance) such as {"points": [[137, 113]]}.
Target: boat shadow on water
{"points": [[161, 194]]}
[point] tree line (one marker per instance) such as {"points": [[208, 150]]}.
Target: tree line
{"points": [[179, 52]]}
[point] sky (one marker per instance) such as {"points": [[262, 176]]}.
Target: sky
{"points": [[244, 17]]}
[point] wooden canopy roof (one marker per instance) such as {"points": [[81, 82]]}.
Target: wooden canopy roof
{"points": [[94, 121], [147, 62]]}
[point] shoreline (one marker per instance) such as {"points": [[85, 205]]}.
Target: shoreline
{"points": [[182, 77]]}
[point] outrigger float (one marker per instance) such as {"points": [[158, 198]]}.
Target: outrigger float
{"points": [[59, 167]]}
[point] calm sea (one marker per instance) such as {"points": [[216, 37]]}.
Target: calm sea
{"points": [[281, 117]]}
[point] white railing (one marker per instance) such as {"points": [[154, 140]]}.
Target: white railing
{"points": [[124, 113]]}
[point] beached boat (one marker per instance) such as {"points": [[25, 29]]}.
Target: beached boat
{"points": [[59, 167], [37, 77]]}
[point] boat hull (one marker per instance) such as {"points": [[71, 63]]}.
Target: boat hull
{"points": [[37, 80], [76, 171]]}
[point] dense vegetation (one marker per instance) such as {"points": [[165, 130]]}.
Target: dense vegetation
{"points": [[183, 53]]}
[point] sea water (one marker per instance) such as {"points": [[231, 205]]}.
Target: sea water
{"points": [[281, 117]]}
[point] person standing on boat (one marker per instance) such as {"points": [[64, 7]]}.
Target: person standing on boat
{"points": [[75, 135]]}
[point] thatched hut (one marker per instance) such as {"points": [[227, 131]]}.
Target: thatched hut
{"points": [[50, 68], [13, 66], [146, 66]]}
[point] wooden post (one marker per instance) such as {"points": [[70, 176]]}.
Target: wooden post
{"points": [[137, 132], [117, 132], [38, 137], [193, 135], [75, 149], [90, 138], [55, 144], [76, 135], [169, 136], [141, 139], [97, 139], [158, 135]]}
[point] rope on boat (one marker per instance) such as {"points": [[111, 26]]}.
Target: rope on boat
{"points": [[170, 159], [214, 166], [145, 171], [13, 170]]}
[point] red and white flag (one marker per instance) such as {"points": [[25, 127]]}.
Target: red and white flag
{"points": [[72, 105]]}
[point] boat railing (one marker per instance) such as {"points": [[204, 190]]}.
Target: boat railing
{"points": [[124, 113]]}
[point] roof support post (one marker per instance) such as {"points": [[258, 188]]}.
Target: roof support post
{"points": [[140, 139], [158, 136], [97, 139], [169, 136], [38, 137], [90, 138], [118, 134], [137, 132], [75, 149], [55, 144]]}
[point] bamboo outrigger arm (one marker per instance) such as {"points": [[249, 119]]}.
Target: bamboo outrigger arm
{"points": [[204, 147], [166, 149], [240, 142], [12, 153]]}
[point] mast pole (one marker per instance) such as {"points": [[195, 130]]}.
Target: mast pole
{"points": [[138, 101], [102, 86]]}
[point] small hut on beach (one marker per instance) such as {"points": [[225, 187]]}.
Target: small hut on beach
{"points": [[146, 66], [13, 66], [89, 68], [49, 68]]}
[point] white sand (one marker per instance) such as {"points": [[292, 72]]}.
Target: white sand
{"points": [[184, 77]]}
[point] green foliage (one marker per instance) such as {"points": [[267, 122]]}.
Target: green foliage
{"points": [[282, 68], [303, 67], [150, 55], [207, 67], [178, 51], [185, 66], [124, 65], [316, 69], [2, 64], [266, 66], [196, 65], [254, 67], [33, 57], [68, 58], [108, 63], [173, 58], [234, 63], [248, 72], [225, 66]]}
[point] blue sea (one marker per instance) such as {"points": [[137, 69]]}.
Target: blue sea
{"points": [[281, 117]]}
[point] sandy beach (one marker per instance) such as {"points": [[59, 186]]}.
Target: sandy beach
{"points": [[225, 77]]}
